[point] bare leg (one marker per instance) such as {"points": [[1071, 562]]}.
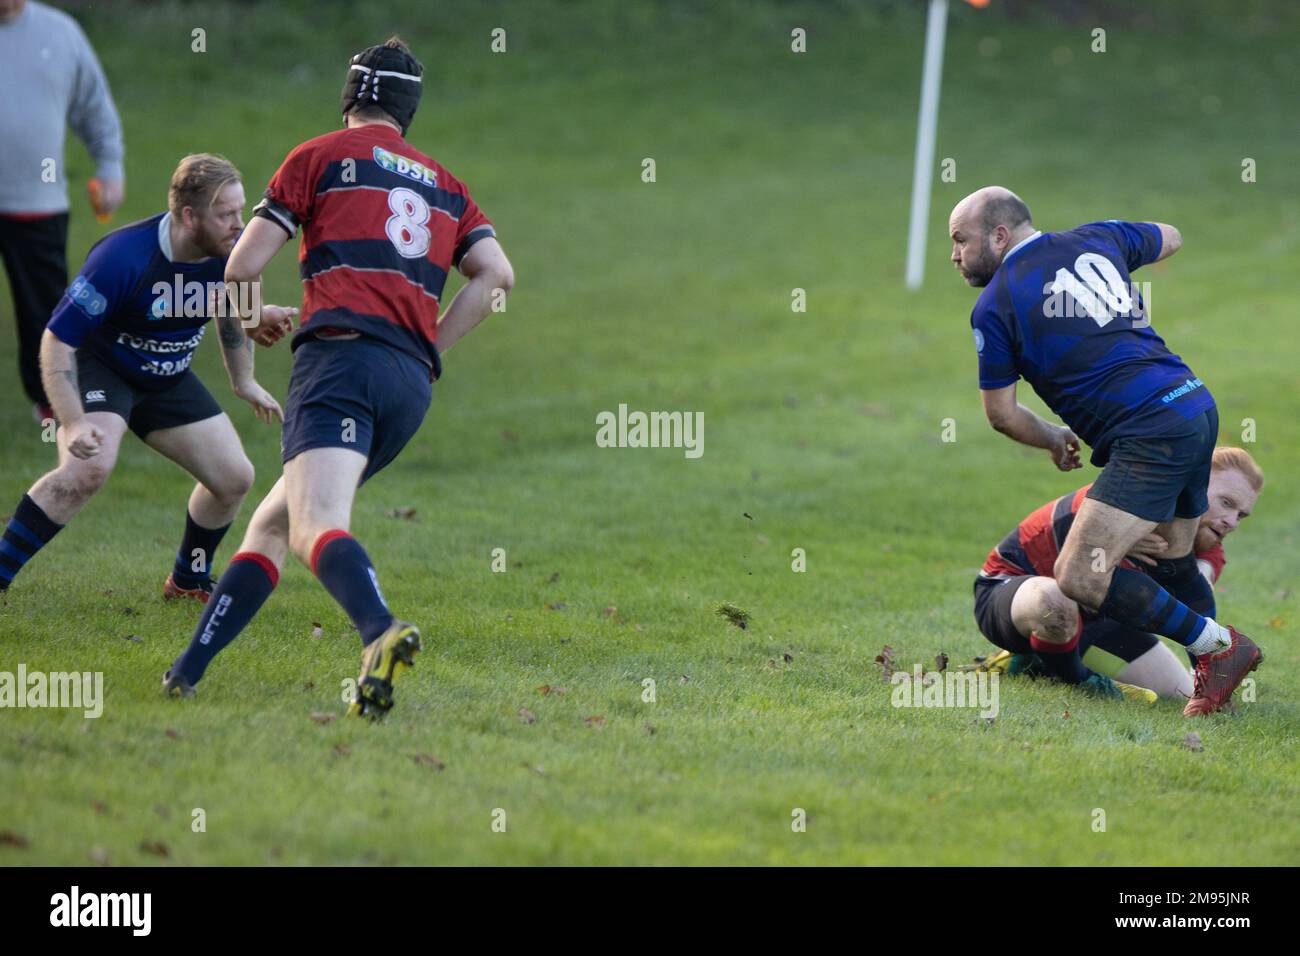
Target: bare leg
{"points": [[63, 492], [210, 451]]}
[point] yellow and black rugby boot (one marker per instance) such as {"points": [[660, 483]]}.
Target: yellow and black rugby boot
{"points": [[383, 659]]}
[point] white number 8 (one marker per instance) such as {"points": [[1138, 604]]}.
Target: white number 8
{"points": [[405, 227]]}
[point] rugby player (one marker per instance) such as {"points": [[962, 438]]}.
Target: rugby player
{"points": [[116, 355], [1060, 310], [382, 224], [1016, 597]]}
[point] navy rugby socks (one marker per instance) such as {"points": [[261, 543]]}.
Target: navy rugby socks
{"points": [[197, 548], [240, 594], [29, 530], [1138, 600], [342, 565]]}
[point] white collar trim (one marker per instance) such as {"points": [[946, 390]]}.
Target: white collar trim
{"points": [[1023, 242], [165, 235]]}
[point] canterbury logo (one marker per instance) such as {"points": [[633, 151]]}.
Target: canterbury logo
{"points": [[96, 395]]}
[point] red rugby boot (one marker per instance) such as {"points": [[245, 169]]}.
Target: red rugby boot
{"points": [[1217, 675]]}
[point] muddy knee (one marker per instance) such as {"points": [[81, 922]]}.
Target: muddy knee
{"points": [[1040, 607]]}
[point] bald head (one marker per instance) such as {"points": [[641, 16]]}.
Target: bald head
{"points": [[983, 226]]}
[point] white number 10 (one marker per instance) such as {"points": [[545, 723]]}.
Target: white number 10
{"points": [[1102, 293]]}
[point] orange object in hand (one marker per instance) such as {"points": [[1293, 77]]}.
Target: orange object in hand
{"points": [[96, 191]]}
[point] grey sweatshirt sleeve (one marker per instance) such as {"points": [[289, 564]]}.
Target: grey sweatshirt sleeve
{"points": [[91, 112]]}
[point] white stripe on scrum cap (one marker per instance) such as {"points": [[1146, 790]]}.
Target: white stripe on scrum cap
{"points": [[400, 76]]}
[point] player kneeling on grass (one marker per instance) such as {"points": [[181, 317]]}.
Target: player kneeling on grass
{"points": [[116, 355], [1020, 608], [382, 225]]}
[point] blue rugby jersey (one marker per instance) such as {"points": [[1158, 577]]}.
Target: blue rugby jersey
{"points": [[136, 310], [1061, 311]]}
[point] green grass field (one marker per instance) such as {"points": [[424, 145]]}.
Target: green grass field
{"points": [[775, 171]]}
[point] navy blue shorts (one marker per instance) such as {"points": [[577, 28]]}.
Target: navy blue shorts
{"points": [[354, 393], [993, 597], [1161, 477], [184, 401]]}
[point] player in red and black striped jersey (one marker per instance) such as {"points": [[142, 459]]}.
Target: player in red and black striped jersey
{"points": [[382, 226], [1020, 608]]}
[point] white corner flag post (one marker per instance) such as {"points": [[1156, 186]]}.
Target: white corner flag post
{"points": [[923, 172]]}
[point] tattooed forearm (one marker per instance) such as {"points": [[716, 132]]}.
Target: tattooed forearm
{"points": [[59, 376], [232, 335]]}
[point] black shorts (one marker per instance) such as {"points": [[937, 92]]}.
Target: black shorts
{"points": [[354, 393], [993, 597], [183, 402], [1158, 478]]}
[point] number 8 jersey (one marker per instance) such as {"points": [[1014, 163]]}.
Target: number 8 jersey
{"points": [[1062, 312], [382, 225]]}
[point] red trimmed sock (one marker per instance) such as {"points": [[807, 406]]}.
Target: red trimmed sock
{"points": [[343, 566]]}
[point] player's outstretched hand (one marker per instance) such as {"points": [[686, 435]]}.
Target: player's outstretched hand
{"points": [[84, 440], [266, 407], [277, 322], [1065, 453]]}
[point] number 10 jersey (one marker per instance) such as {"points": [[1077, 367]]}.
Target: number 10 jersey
{"points": [[1063, 313]]}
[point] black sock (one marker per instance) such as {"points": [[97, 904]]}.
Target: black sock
{"points": [[341, 564], [240, 594], [29, 530], [194, 559]]}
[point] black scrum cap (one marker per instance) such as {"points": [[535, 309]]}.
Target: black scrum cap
{"points": [[386, 77]]}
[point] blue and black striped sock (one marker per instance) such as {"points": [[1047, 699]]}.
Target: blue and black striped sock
{"points": [[194, 559], [29, 530], [1137, 600]]}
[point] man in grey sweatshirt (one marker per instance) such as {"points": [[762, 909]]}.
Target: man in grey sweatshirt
{"points": [[51, 80]]}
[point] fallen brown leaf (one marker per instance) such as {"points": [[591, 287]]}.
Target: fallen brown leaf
{"points": [[552, 689], [155, 847], [15, 840], [322, 717], [594, 721], [941, 662], [405, 514], [428, 760], [527, 716]]}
